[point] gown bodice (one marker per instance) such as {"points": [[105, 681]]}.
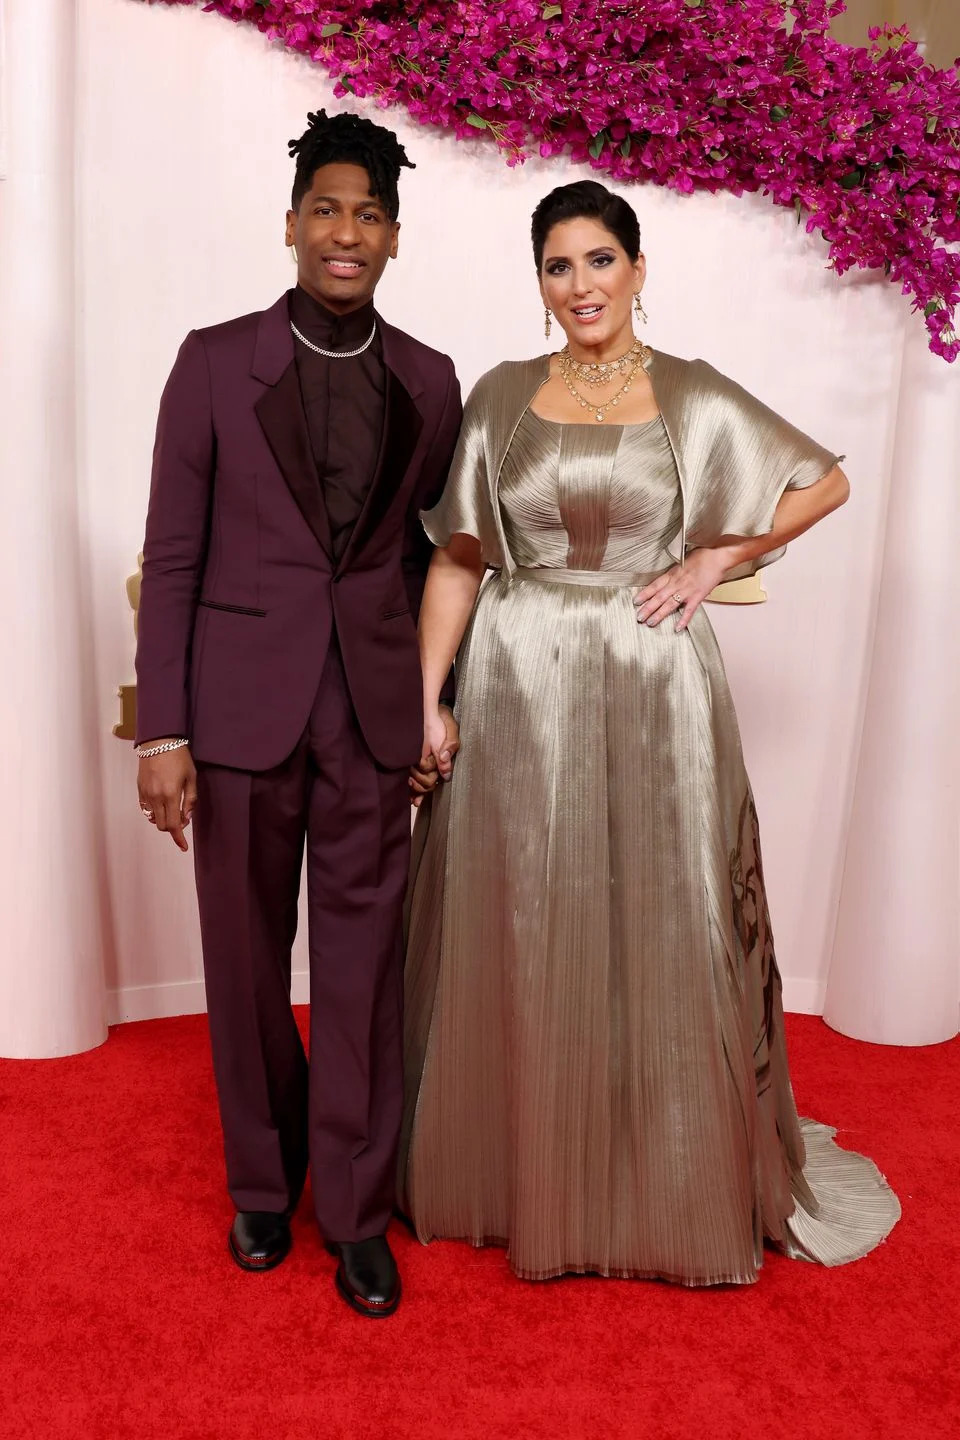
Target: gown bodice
{"points": [[590, 497]]}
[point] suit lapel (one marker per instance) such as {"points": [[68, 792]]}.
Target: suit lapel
{"points": [[402, 426], [283, 421]]}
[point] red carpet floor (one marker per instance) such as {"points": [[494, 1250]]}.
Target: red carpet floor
{"points": [[122, 1316]]}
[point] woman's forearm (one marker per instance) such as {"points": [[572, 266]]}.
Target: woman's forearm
{"points": [[448, 600], [680, 591], [795, 513]]}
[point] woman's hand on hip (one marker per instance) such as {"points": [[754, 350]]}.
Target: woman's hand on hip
{"points": [[682, 590]]}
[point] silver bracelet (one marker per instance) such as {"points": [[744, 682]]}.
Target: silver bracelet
{"points": [[144, 754]]}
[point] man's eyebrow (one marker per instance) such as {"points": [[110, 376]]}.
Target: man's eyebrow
{"points": [[370, 203]]}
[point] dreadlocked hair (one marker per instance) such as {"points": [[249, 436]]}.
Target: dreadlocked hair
{"points": [[347, 139]]}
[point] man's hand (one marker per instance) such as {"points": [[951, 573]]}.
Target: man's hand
{"points": [[441, 741], [168, 791], [423, 778]]}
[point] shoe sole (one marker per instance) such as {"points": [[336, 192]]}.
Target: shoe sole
{"points": [[374, 1312], [253, 1266]]}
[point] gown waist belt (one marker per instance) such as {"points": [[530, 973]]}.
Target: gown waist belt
{"points": [[611, 579]]}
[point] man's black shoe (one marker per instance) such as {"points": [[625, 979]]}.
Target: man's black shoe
{"points": [[259, 1239], [367, 1275]]}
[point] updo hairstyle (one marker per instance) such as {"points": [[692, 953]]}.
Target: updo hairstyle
{"points": [[585, 200]]}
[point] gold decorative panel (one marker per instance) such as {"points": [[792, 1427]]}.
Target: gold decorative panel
{"points": [[126, 727], [748, 591]]}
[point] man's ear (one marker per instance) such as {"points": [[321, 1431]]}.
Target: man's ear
{"points": [[395, 240], [290, 233]]}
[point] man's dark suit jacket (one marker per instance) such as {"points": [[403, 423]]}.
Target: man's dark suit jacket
{"points": [[240, 592]]}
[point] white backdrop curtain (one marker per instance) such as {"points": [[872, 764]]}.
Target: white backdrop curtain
{"points": [[845, 681]]}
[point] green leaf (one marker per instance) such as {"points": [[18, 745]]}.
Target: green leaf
{"points": [[716, 154], [626, 147], [931, 308], [851, 180], [777, 112], [790, 64], [693, 4], [932, 124], [550, 12], [329, 30], [477, 121], [798, 207], [597, 144]]}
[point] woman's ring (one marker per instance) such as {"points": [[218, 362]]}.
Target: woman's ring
{"points": [[679, 599], [146, 812]]}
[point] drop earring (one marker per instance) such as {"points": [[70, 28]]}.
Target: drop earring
{"points": [[547, 323], [293, 252], [638, 306]]}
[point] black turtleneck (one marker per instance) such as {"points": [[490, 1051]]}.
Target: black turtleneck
{"points": [[344, 404]]}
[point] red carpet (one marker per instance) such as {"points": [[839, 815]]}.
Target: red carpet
{"points": [[121, 1314]]}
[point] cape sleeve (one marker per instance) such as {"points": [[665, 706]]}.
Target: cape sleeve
{"points": [[466, 506], [748, 457]]}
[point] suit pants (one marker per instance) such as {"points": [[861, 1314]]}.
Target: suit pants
{"points": [[341, 1113]]}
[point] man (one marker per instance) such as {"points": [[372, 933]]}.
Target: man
{"points": [[279, 697]]}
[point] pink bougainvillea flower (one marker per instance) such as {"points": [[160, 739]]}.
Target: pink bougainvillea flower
{"points": [[691, 94]]}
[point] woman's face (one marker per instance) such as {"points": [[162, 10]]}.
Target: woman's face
{"points": [[588, 281]]}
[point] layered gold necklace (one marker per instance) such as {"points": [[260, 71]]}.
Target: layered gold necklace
{"points": [[594, 374]]}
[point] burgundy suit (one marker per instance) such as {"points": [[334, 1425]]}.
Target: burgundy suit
{"points": [[296, 677]]}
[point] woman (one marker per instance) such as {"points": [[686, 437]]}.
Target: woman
{"points": [[597, 1075]]}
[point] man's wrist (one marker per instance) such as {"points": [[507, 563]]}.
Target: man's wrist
{"points": [[148, 748]]}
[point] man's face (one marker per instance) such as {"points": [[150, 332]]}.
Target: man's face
{"points": [[343, 238]]}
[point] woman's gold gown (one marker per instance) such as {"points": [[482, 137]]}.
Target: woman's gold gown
{"points": [[596, 1069]]}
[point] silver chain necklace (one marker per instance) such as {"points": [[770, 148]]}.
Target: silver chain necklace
{"points": [[335, 354]]}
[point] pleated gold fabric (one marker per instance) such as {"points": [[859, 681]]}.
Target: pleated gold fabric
{"points": [[596, 1070]]}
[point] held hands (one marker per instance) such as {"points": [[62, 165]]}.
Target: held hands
{"points": [[441, 741], [681, 590], [168, 792]]}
